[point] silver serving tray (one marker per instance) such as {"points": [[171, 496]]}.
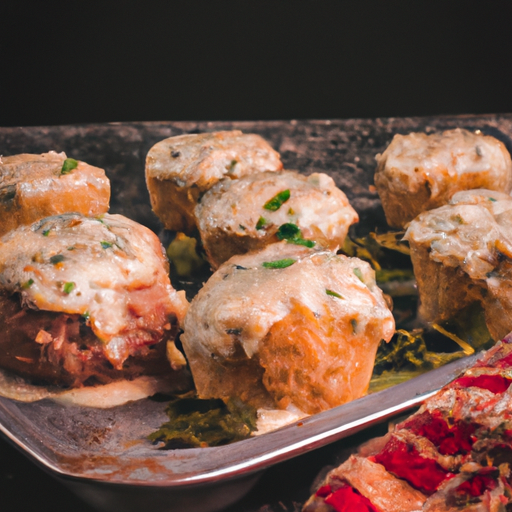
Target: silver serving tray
{"points": [[106, 459], [103, 455]]}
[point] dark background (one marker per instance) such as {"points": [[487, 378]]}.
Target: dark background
{"points": [[103, 61], [106, 61]]}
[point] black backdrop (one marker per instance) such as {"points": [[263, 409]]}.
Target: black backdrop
{"points": [[135, 60], [100, 61]]}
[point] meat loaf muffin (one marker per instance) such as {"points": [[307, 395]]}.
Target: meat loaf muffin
{"points": [[180, 169], [287, 327], [418, 172], [36, 186], [237, 216]]}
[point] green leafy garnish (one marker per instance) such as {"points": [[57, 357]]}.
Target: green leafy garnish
{"points": [[86, 315], [68, 165], [293, 235], [277, 201], [406, 356], [286, 262], [46, 232], [262, 222], [106, 245], [68, 287], [27, 284], [58, 258], [200, 423], [333, 294]]}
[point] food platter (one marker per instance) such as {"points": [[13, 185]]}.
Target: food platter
{"points": [[103, 455]]}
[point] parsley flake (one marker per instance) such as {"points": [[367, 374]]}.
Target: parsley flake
{"points": [[46, 232], [68, 165], [286, 262], [106, 245], [27, 284], [68, 287], [359, 274], [58, 258], [492, 199], [262, 222], [333, 294], [293, 235], [277, 201]]}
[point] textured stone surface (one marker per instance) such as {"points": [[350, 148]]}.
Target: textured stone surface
{"points": [[345, 149]]}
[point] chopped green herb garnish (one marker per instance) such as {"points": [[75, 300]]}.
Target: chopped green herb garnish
{"points": [[492, 199], [333, 294], [277, 201], [68, 287], [353, 323], [58, 258], [292, 234], [359, 274], [106, 245], [291, 211], [46, 232], [231, 165], [458, 219], [71, 248], [243, 228], [286, 262], [86, 315], [288, 231], [68, 165], [262, 222], [27, 284]]}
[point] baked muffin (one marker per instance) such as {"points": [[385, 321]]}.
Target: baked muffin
{"points": [[419, 172], [36, 186], [287, 327], [180, 169], [237, 216]]}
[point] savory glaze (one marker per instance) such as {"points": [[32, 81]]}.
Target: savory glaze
{"points": [[36, 186], [287, 326], [237, 216], [180, 169], [418, 172]]}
